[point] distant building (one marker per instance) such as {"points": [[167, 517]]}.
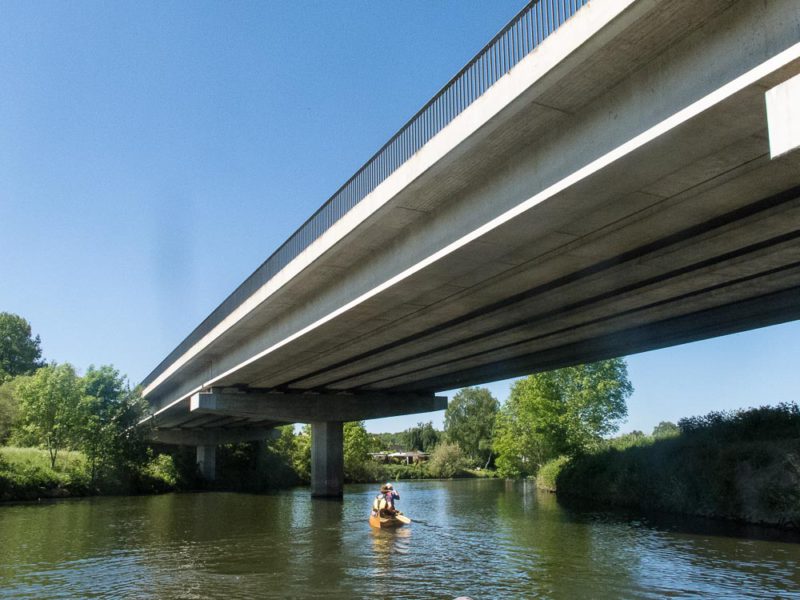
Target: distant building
{"points": [[407, 458]]}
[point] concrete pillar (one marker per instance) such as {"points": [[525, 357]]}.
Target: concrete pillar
{"points": [[207, 461], [260, 449], [327, 459]]}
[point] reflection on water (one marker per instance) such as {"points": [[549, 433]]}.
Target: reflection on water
{"points": [[386, 542], [479, 538]]}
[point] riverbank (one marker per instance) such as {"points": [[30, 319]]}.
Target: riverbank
{"points": [[741, 466], [27, 474]]}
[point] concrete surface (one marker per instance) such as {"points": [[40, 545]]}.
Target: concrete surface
{"points": [[613, 193]]}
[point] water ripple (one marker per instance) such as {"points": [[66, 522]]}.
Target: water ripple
{"points": [[502, 541]]}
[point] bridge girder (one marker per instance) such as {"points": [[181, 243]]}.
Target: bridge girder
{"points": [[311, 407]]}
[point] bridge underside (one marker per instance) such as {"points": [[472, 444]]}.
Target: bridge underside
{"points": [[694, 236], [625, 202]]}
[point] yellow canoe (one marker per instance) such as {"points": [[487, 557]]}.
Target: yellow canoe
{"points": [[388, 522]]}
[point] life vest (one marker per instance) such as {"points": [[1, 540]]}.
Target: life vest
{"points": [[379, 503]]}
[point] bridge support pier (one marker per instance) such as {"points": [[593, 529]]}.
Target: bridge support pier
{"points": [[207, 461], [327, 459]]}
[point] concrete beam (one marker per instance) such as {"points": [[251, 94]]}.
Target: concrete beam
{"points": [[327, 459], [308, 408], [783, 117], [211, 437]]}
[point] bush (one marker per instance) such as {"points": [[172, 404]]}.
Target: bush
{"points": [[162, 472], [364, 471], [398, 472], [447, 460], [762, 423], [742, 465], [548, 473]]}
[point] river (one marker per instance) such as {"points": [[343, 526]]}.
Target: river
{"points": [[486, 539]]}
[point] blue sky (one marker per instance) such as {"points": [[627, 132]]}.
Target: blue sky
{"points": [[153, 154]]}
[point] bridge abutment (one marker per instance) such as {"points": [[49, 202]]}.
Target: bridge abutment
{"points": [[327, 459]]}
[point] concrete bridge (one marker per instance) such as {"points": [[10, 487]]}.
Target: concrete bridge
{"points": [[604, 178]]}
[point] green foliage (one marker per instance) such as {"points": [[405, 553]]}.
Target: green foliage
{"points": [[108, 414], [447, 460], [9, 409], [469, 421], [301, 455], [763, 423], [546, 478], [666, 429], [49, 406], [742, 465], [26, 474], [276, 467], [237, 468], [562, 412], [162, 470], [388, 441], [423, 437], [20, 352], [358, 466], [627, 440], [393, 472], [15, 456], [356, 441]]}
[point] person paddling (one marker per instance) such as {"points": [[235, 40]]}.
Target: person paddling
{"points": [[383, 505], [384, 514], [391, 495]]}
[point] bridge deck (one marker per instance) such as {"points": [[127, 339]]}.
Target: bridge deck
{"points": [[612, 193]]}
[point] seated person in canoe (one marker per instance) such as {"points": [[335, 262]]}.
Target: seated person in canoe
{"points": [[383, 505]]}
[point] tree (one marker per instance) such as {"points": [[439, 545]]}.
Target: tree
{"points": [[9, 408], [469, 422], [423, 437], [49, 406], [357, 446], [389, 441], [20, 353], [275, 467], [301, 456], [108, 413], [562, 412], [357, 442], [666, 429], [447, 460]]}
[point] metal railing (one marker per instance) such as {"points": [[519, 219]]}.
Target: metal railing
{"points": [[516, 40]]}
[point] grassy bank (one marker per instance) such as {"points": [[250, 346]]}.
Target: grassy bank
{"points": [[423, 471], [742, 465], [26, 474]]}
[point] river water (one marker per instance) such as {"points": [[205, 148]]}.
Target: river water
{"points": [[485, 539]]}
